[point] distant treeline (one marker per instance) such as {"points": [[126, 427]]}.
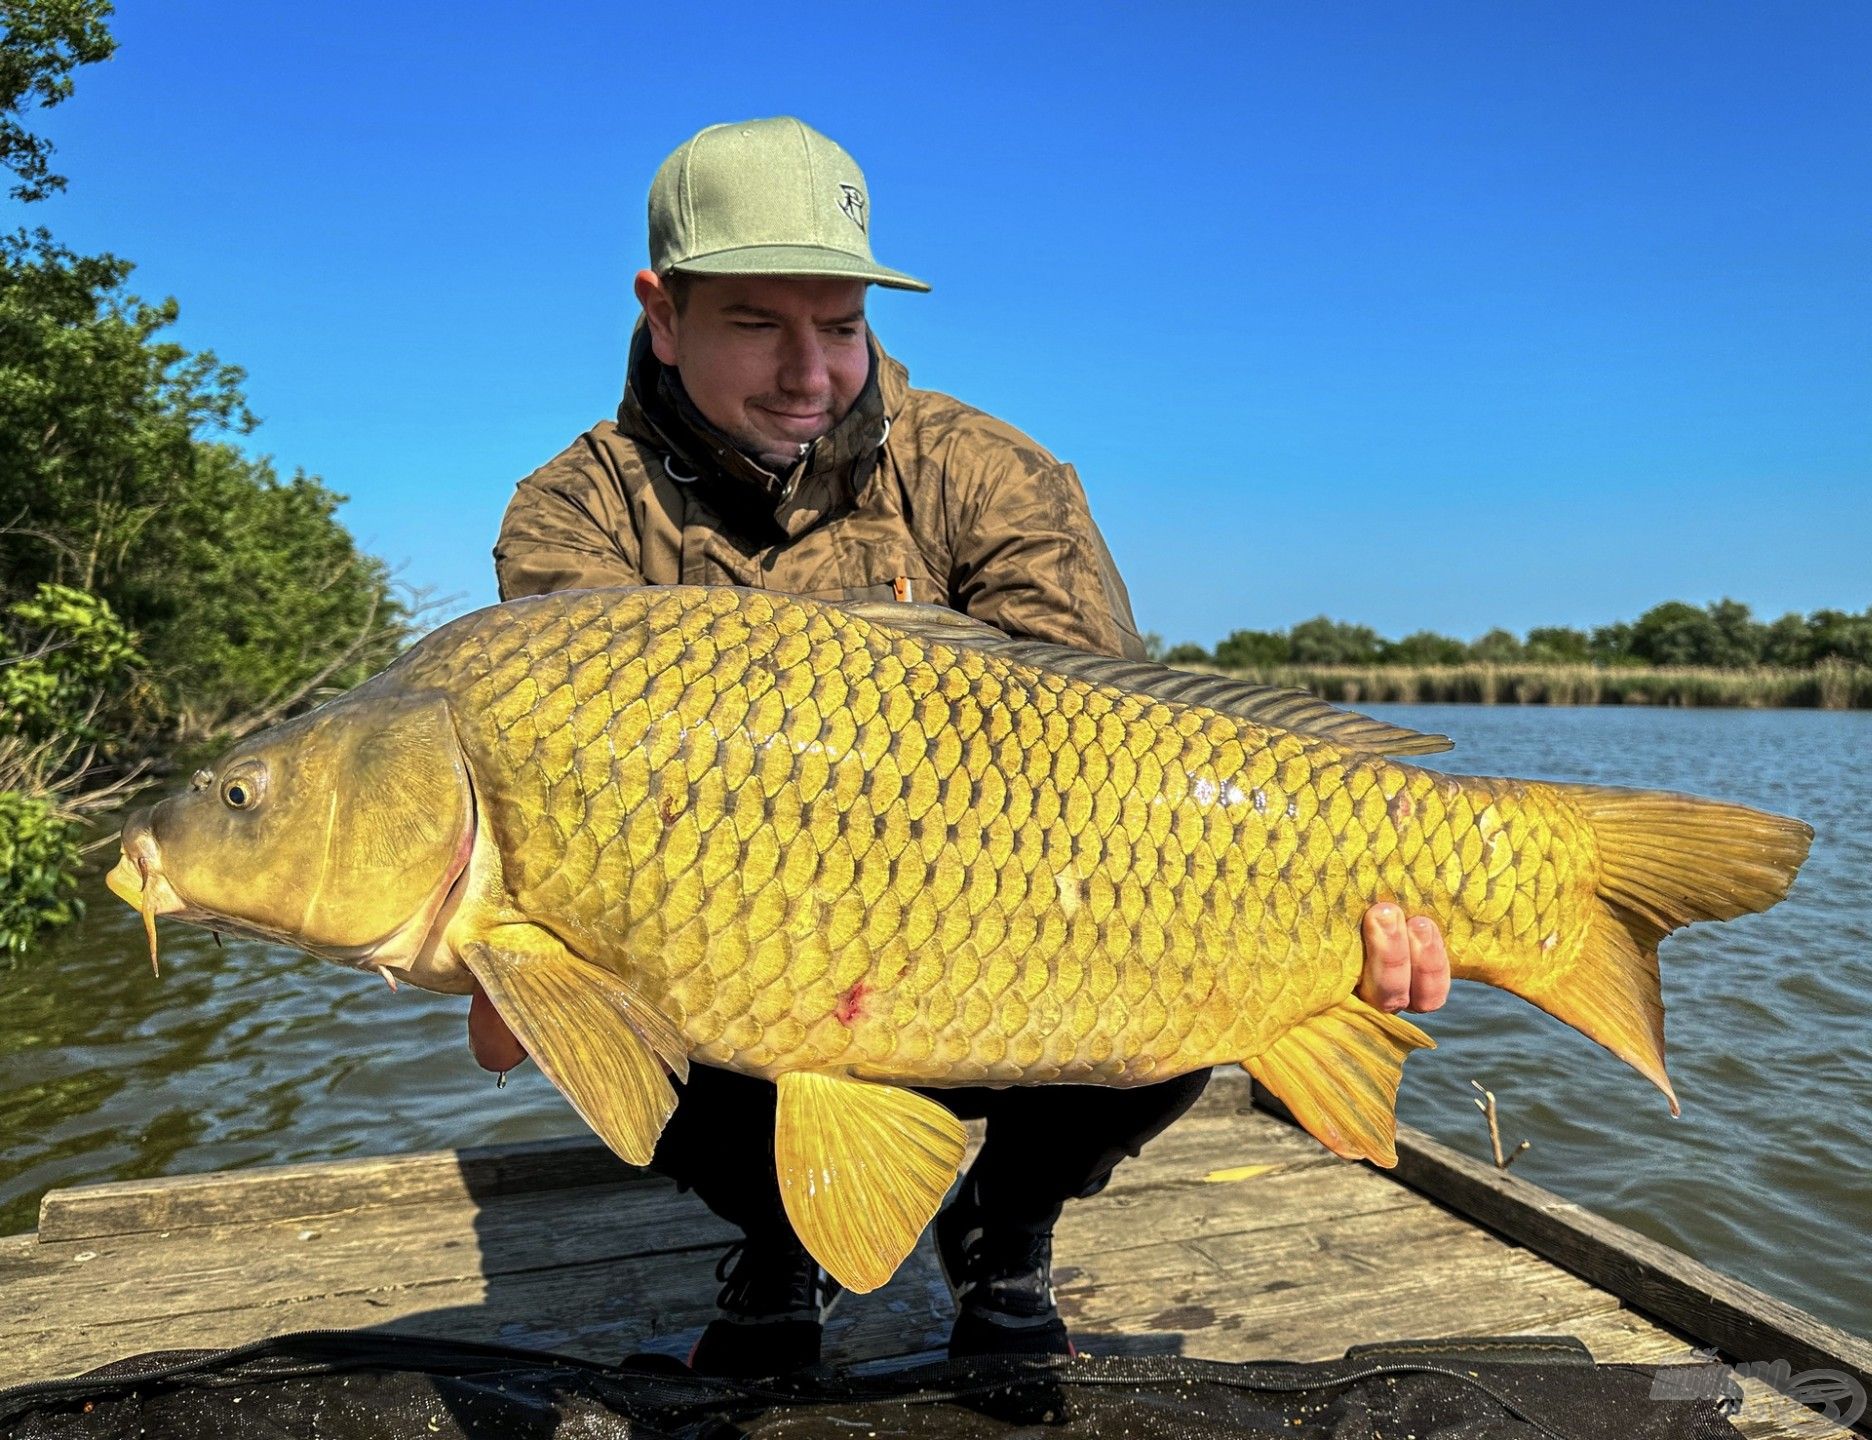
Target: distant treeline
{"points": [[1829, 685], [1674, 635]]}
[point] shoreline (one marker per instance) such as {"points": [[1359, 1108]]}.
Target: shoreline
{"points": [[1824, 687]]}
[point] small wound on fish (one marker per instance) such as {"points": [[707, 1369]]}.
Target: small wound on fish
{"points": [[851, 1003], [1068, 887], [1402, 807], [1550, 942]]}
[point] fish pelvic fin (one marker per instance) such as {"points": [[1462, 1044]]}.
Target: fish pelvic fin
{"points": [[1664, 861], [601, 1044], [862, 1169], [1338, 1071]]}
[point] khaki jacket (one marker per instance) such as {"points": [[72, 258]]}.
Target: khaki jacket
{"points": [[914, 495]]}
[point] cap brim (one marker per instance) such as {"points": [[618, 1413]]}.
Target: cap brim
{"points": [[808, 260]]}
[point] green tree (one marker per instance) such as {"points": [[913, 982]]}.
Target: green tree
{"points": [[1424, 647], [1837, 635], [1321, 641], [1788, 642], [1723, 635], [115, 479], [1186, 653], [1558, 645], [1498, 647], [41, 43], [1252, 650], [63, 658], [125, 506], [1674, 633], [1740, 637], [1612, 644]]}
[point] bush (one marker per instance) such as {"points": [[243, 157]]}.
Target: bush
{"points": [[38, 870]]}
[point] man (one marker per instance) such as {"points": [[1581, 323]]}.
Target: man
{"points": [[765, 439]]}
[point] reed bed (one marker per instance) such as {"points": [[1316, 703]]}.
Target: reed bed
{"points": [[1827, 686]]}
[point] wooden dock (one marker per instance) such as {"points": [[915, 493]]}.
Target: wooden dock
{"points": [[1235, 1237]]}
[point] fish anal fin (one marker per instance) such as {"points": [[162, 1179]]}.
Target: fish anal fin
{"points": [[604, 1048], [862, 1169], [1338, 1071]]}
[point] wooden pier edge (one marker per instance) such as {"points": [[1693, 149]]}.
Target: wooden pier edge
{"points": [[273, 1192], [1745, 1325]]}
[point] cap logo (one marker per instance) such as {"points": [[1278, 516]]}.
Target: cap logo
{"points": [[852, 202]]}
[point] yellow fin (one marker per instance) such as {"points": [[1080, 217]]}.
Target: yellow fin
{"points": [[862, 1169], [1338, 1071], [1664, 861], [590, 1033]]}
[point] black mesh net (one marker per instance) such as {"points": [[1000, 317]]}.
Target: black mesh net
{"points": [[367, 1386]]}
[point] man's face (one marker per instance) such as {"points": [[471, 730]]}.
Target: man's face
{"points": [[772, 361]]}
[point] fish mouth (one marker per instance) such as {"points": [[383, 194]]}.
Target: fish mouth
{"points": [[138, 880]]}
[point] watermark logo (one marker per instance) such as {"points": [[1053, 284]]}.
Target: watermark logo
{"points": [[1837, 1398]]}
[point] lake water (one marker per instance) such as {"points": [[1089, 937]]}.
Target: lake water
{"points": [[254, 1055]]}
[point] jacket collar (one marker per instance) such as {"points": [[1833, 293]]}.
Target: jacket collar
{"points": [[657, 411]]}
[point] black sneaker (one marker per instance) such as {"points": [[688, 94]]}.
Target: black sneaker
{"points": [[774, 1304], [1002, 1281]]}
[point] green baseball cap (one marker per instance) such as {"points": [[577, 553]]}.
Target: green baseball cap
{"points": [[765, 197]]}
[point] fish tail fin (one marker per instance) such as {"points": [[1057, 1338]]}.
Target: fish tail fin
{"points": [[1664, 861], [1338, 1071]]}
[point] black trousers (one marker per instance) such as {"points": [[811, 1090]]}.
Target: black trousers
{"points": [[1045, 1144]]}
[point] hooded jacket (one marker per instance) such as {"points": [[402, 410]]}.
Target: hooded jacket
{"points": [[913, 495]]}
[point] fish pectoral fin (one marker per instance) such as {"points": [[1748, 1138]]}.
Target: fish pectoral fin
{"points": [[590, 1033], [1338, 1071], [862, 1169]]}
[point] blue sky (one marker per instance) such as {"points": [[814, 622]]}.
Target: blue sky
{"points": [[1444, 315]]}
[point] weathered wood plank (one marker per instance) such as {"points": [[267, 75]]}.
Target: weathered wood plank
{"points": [[1233, 1237], [603, 1310], [217, 1268], [1742, 1322], [268, 1192]]}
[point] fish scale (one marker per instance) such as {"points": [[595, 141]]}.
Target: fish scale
{"points": [[819, 844]]}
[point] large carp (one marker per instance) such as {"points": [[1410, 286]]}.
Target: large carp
{"points": [[858, 849]]}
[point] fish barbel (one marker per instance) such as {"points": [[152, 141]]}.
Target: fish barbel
{"points": [[856, 849]]}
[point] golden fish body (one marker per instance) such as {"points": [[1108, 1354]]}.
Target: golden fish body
{"points": [[817, 843], [853, 853]]}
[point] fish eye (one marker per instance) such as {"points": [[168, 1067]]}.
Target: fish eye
{"points": [[242, 791]]}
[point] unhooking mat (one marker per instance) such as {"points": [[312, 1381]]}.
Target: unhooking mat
{"points": [[364, 1386]]}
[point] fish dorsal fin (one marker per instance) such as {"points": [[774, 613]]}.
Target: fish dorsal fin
{"points": [[1271, 705], [592, 1035], [862, 1169]]}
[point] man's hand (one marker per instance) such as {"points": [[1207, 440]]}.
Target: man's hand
{"points": [[1405, 964], [489, 1040]]}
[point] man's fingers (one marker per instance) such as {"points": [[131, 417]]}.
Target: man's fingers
{"points": [[1386, 982], [1429, 965], [489, 1040]]}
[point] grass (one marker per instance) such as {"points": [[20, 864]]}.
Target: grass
{"points": [[1830, 685]]}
